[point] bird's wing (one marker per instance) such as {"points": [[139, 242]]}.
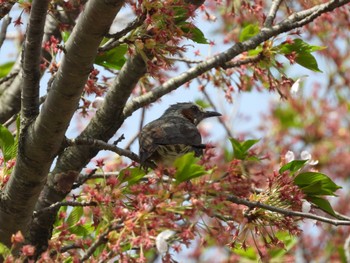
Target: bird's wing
{"points": [[177, 131], [172, 130]]}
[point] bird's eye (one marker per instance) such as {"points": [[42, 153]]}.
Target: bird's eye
{"points": [[194, 108]]}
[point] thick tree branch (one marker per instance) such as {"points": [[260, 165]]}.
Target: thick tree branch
{"points": [[10, 90], [294, 21], [31, 60], [42, 140], [287, 212]]}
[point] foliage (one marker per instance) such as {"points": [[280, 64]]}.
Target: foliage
{"points": [[249, 198]]}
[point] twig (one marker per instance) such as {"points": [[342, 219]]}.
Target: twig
{"points": [[9, 76], [103, 146], [10, 121], [272, 13], [131, 26], [122, 137], [83, 178], [5, 23], [235, 64], [133, 139], [186, 60], [57, 205], [116, 36], [102, 238], [66, 248], [287, 212]]}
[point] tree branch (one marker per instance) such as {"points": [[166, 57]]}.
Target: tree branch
{"points": [[294, 21], [238, 63], [5, 23], [241, 201], [32, 59], [116, 36], [58, 205], [39, 146], [272, 13], [101, 145], [102, 238]]}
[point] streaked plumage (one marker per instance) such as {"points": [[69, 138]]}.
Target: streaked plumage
{"points": [[173, 134]]}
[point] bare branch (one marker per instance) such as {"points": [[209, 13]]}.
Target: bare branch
{"points": [[58, 205], [9, 76], [93, 175], [238, 63], [272, 13], [186, 60], [101, 145], [286, 212], [11, 120], [294, 21], [102, 238], [116, 36], [31, 60], [4, 25]]}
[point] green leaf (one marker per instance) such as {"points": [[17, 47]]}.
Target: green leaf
{"points": [[322, 203], [181, 14], [256, 51], [65, 36], [75, 215], [6, 68], [202, 103], [4, 250], [246, 145], [293, 166], [310, 182], [81, 230], [248, 32], [68, 260], [240, 149], [303, 51], [298, 46], [186, 168], [307, 60], [195, 34], [113, 59], [7, 143], [131, 175]]}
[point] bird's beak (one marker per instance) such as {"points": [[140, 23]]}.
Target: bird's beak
{"points": [[208, 114]]}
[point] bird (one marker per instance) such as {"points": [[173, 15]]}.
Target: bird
{"points": [[174, 134]]}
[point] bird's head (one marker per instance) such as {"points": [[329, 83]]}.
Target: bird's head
{"points": [[190, 111]]}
